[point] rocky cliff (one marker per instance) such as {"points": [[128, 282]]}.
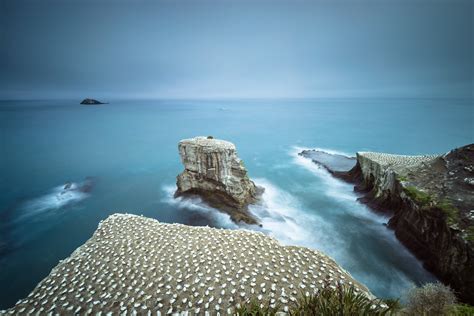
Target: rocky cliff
{"points": [[432, 200], [214, 172], [134, 265]]}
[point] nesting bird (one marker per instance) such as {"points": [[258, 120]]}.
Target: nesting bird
{"points": [[137, 265]]}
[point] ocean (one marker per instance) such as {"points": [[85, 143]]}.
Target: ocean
{"points": [[125, 154]]}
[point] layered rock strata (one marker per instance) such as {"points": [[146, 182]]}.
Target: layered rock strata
{"points": [[214, 172], [431, 200], [134, 265]]}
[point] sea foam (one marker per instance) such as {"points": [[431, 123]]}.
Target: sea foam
{"points": [[56, 199]]}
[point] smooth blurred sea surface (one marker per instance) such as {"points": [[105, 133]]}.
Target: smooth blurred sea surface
{"points": [[129, 148]]}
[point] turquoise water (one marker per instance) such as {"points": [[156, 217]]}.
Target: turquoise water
{"points": [[129, 148]]}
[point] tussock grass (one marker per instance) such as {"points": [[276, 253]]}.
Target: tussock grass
{"points": [[341, 301]]}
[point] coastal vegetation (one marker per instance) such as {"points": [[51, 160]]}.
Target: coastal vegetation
{"points": [[431, 299], [340, 300], [402, 178], [425, 200], [451, 212], [421, 198], [470, 234]]}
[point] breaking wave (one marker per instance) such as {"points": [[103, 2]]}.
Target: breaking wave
{"points": [[340, 191], [279, 212], [56, 199], [357, 223], [195, 204]]}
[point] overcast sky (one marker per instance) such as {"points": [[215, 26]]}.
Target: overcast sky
{"points": [[243, 49]]}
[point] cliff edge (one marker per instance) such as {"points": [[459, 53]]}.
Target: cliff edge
{"points": [[431, 199], [134, 265], [214, 172]]}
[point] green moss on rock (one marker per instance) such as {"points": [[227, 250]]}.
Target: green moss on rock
{"points": [[402, 178], [419, 197], [470, 234], [451, 212]]}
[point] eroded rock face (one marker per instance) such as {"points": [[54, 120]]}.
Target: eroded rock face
{"points": [[430, 205], [213, 171]]}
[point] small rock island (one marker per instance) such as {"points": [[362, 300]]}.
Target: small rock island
{"points": [[214, 172], [91, 102]]}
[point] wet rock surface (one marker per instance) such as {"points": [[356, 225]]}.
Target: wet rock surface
{"points": [[137, 265], [332, 162], [214, 172]]}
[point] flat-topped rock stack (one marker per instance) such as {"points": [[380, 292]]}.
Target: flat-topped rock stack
{"points": [[214, 172], [137, 265]]}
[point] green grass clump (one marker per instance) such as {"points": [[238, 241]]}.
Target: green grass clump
{"points": [[470, 233], [402, 178], [420, 197], [452, 213], [462, 310], [254, 308], [341, 301]]}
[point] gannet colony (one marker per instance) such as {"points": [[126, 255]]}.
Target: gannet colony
{"points": [[136, 265]]}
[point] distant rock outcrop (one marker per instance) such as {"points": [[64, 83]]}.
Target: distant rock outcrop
{"points": [[432, 205], [331, 162], [91, 102], [214, 172]]}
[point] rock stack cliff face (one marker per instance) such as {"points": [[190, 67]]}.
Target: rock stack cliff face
{"points": [[432, 200], [214, 172]]}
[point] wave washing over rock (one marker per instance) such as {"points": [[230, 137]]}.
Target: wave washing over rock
{"points": [[39, 210], [138, 265]]}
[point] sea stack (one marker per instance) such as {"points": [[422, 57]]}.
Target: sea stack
{"points": [[214, 172]]}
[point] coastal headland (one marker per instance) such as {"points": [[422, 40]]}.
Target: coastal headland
{"points": [[431, 202]]}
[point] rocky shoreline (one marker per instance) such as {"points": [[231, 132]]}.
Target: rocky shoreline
{"points": [[431, 202], [137, 265]]}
